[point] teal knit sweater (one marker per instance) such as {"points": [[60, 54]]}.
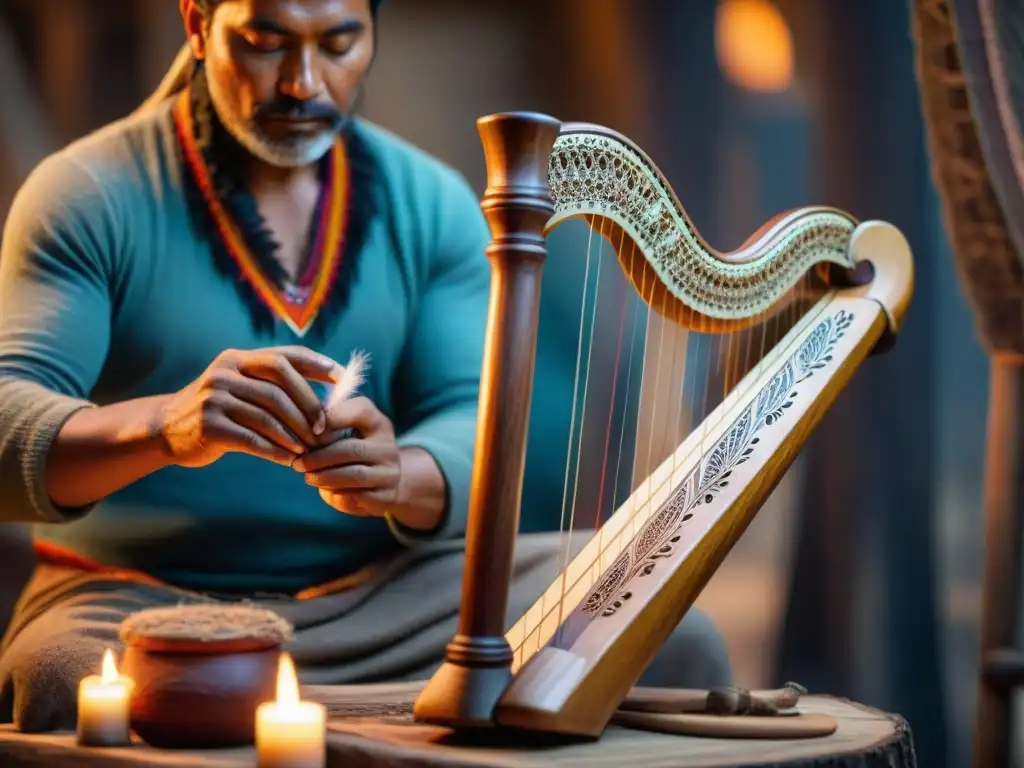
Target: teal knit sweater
{"points": [[107, 293]]}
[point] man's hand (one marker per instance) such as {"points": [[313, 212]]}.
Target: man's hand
{"points": [[359, 471], [367, 474], [258, 402]]}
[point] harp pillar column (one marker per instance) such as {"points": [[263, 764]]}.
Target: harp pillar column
{"points": [[518, 205]]}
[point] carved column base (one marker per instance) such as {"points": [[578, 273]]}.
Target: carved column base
{"points": [[467, 687]]}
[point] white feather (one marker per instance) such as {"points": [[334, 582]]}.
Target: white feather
{"points": [[352, 377]]}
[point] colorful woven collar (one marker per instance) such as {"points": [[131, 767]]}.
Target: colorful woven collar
{"points": [[296, 305]]}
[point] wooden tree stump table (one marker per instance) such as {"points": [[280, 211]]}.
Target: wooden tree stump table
{"points": [[371, 726]]}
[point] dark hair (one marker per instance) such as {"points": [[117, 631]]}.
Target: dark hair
{"points": [[207, 5]]}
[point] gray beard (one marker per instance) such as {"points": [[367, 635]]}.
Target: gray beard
{"points": [[295, 153]]}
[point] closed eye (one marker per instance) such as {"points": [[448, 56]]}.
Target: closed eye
{"points": [[262, 42], [339, 45]]}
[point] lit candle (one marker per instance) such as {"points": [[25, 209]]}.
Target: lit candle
{"points": [[104, 706], [290, 733]]}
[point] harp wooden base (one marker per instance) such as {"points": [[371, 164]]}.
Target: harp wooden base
{"points": [[462, 695]]}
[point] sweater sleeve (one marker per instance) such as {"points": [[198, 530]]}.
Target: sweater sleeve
{"points": [[58, 244], [438, 379]]}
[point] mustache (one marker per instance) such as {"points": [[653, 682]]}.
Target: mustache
{"points": [[285, 106]]}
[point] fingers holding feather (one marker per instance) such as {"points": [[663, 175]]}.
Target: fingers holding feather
{"points": [[356, 477], [343, 452], [361, 415]]}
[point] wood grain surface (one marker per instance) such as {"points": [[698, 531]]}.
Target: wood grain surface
{"points": [[371, 726]]}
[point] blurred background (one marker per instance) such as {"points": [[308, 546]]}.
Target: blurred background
{"points": [[860, 578]]}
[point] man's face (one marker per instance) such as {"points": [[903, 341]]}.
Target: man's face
{"points": [[284, 74]]}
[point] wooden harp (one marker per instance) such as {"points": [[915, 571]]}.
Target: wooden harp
{"points": [[821, 289]]}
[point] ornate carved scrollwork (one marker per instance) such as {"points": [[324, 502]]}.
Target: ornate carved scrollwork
{"points": [[594, 172]]}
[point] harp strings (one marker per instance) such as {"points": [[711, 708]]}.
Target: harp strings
{"points": [[691, 390], [622, 451], [586, 383], [716, 366], [617, 360], [663, 351], [590, 429], [572, 420], [652, 428]]}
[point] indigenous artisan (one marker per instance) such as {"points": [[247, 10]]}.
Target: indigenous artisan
{"points": [[178, 291]]}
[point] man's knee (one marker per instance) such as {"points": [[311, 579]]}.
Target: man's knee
{"points": [[41, 667], [694, 656]]}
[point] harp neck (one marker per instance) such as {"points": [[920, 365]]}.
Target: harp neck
{"points": [[599, 175]]}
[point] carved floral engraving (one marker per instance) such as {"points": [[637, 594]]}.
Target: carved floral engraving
{"points": [[659, 536]]}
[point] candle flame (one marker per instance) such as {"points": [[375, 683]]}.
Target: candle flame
{"points": [[287, 682], [109, 668]]}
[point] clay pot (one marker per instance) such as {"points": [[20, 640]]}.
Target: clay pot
{"points": [[193, 694]]}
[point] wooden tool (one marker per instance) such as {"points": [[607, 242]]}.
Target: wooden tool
{"points": [[717, 701], [727, 712]]}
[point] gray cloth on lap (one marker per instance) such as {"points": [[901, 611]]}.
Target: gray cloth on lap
{"points": [[394, 626]]}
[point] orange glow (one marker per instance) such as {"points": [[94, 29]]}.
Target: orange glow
{"points": [[754, 45]]}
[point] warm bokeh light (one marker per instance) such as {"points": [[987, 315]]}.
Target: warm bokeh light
{"points": [[754, 45]]}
